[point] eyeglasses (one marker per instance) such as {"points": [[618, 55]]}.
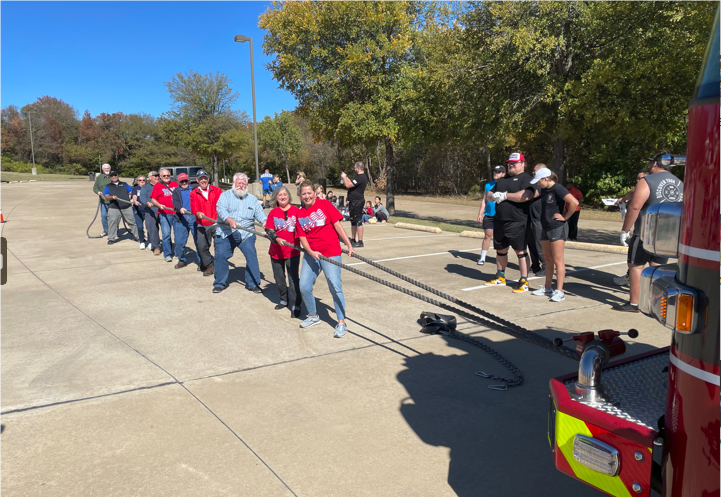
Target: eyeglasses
{"points": [[184, 181], [165, 175], [140, 180]]}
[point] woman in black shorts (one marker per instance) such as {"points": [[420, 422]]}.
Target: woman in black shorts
{"points": [[554, 221]]}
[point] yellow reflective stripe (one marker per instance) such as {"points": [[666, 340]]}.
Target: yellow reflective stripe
{"points": [[566, 428]]}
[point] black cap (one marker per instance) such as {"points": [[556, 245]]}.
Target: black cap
{"points": [[499, 169], [112, 173]]}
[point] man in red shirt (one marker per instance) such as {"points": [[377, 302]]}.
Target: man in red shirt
{"points": [[204, 201], [573, 220], [162, 198]]}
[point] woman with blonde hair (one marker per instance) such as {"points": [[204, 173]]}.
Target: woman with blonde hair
{"points": [[298, 180], [554, 231]]}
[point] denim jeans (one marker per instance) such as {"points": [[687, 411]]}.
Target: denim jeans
{"points": [[166, 224], [367, 217], [224, 248], [139, 224], [308, 275], [104, 216], [181, 227]]}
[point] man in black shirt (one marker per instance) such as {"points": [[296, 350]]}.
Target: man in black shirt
{"points": [[356, 200], [512, 195]]}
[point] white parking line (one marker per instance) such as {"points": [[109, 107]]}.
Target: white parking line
{"points": [[399, 237], [415, 256], [543, 277]]}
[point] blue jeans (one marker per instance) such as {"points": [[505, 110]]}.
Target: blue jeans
{"points": [[166, 224], [308, 275], [104, 216], [139, 224], [224, 248], [181, 227], [367, 217]]}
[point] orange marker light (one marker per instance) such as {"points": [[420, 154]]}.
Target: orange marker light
{"points": [[684, 313]]}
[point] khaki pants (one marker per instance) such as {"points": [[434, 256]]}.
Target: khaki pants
{"points": [[114, 222]]}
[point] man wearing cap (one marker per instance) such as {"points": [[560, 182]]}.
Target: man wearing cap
{"points": [[204, 201], [655, 188], [183, 220], [534, 229], [512, 195], [266, 178], [486, 213], [162, 198], [236, 207], [151, 212], [115, 193], [99, 189]]}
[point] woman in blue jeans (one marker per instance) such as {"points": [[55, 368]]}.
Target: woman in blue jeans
{"points": [[318, 228]]}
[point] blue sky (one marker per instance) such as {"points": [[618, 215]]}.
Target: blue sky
{"points": [[115, 56]]}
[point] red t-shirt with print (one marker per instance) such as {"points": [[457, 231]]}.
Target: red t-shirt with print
{"points": [[284, 223], [164, 195], [316, 225]]}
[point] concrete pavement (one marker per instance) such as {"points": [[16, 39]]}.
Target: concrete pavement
{"points": [[123, 376]]}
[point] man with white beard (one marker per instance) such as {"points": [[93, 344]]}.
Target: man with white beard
{"points": [[237, 207]]}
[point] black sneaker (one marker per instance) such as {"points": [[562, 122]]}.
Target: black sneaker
{"points": [[255, 289], [280, 306], [111, 242], [218, 289], [103, 234], [358, 244], [627, 307]]}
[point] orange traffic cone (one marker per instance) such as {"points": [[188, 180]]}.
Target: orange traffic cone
{"points": [[2, 219]]}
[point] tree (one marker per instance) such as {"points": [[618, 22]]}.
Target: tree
{"points": [[201, 117], [345, 63], [280, 135]]}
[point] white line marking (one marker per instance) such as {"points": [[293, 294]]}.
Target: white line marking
{"points": [[399, 237], [415, 256], [543, 277], [693, 371], [709, 255]]}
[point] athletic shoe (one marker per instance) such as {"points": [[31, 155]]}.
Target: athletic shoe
{"points": [[255, 289], [218, 289], [142, 245], [168, 259], [542, 290], [310, 321], [557, 296], [358, 244], [481, 262], [340, 330], [498, 280], [521, 286], [280, 306], [540, 273], [104, 233], [621, 280], [111, 242], [627, 307]]}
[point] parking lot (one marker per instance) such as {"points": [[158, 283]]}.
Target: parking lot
{"points": [[123, 376]]}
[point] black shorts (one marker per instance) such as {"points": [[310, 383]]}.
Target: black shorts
{"points": [[355, 210], [639, 257], [487, 223], [511, 234]]}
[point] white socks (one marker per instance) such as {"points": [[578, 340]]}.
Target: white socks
{"points": [[483, 254]]}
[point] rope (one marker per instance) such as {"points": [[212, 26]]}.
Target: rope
{"points": [[87, 231]]}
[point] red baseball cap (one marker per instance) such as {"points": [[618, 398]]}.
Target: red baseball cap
{"points": [[183, 177], [516, 157]]}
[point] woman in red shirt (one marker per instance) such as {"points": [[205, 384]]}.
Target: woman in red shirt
{"points": [[319, 229], [283, 218]]}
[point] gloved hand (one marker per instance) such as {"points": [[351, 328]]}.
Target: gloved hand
{"points": [[499, 197], [625, 235], [272, 236]]}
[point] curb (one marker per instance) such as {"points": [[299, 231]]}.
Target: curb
{"points": [[473, 234], [418, 227]]}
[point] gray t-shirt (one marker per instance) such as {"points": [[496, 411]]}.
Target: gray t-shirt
{"points": [[665, 187]]}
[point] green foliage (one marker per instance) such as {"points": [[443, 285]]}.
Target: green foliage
{"points": [[474, 191], [332, 176], [281, 137], [7, 164]]}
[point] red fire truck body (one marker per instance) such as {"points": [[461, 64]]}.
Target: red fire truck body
{"points": [[606, 423]]}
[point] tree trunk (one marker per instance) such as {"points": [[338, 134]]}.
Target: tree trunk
{"points": [[215, 170], [390, 199], [381, 168], [287, 171], [558, 155], [368, 168], [489, 169]]}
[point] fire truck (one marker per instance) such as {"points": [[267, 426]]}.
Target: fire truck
{"points": [[650, 423]]}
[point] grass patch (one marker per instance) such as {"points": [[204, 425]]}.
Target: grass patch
{"points": [[11, 176], [453, 228]]}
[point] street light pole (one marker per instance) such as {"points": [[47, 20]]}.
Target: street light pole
{"points": [[241, 39], [32, 146]]}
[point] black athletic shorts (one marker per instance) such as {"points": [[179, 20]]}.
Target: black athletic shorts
{"points": [[487, 223], [511, 234], [355, 210], [555, 234], [639, 257]]}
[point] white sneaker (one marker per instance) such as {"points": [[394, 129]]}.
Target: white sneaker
{"points": [[481, 262], [542, 290], [142, 246], [557, 296], [621, 280]]}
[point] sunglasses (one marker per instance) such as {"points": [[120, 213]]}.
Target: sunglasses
{"points": [[140, 180]]}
